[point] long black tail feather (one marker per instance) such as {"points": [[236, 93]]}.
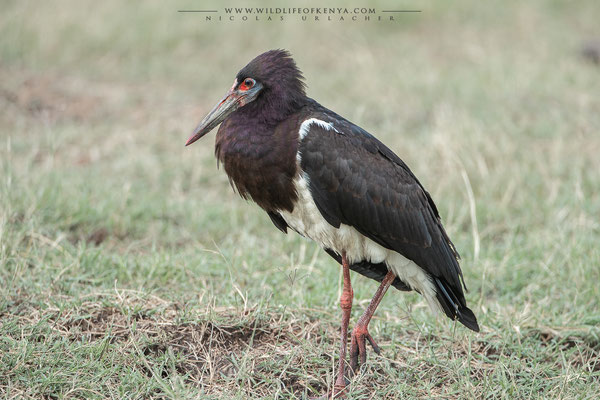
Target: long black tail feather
{"points": [[455, 307]]}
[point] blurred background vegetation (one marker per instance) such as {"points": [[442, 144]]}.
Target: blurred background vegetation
{"points": [[120, 248]]}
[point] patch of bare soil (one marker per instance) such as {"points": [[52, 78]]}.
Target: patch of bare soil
{"points": [[213, 353]]}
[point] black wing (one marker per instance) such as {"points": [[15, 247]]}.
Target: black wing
{"points": [[356, 180]]}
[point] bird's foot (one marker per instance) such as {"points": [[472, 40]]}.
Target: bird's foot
{"points": [[358, 347], [340, 389]]}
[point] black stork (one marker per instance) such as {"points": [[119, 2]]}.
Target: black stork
{"points": [[320, 175]]}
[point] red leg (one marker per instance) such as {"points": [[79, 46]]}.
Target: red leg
{"points": [[339, 387], [360, 332]]}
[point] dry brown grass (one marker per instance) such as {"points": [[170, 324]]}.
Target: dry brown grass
{"points": [[231, 352]]}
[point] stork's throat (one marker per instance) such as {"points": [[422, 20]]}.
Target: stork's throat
{"points": [[260, 162]]}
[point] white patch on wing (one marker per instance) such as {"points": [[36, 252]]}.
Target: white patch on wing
{"points": [[306, 125], [308, 221]]}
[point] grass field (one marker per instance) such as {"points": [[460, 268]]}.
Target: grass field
{"points": [[129, 268]]}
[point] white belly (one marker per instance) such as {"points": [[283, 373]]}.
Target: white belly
{"points": [[308, 221]]}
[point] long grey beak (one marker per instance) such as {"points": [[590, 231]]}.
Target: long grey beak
{"points": [[229, 104]]}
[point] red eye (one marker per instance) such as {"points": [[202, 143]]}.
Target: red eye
{"points": [[247, 84]]}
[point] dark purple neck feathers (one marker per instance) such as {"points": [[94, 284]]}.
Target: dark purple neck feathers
{"points": [[257, 144], [260, 160]]}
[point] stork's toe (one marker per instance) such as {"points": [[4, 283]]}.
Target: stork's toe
{"points": [[358, 347]]}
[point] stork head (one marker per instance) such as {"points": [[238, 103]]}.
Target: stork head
{"points": [[270, 84]]}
